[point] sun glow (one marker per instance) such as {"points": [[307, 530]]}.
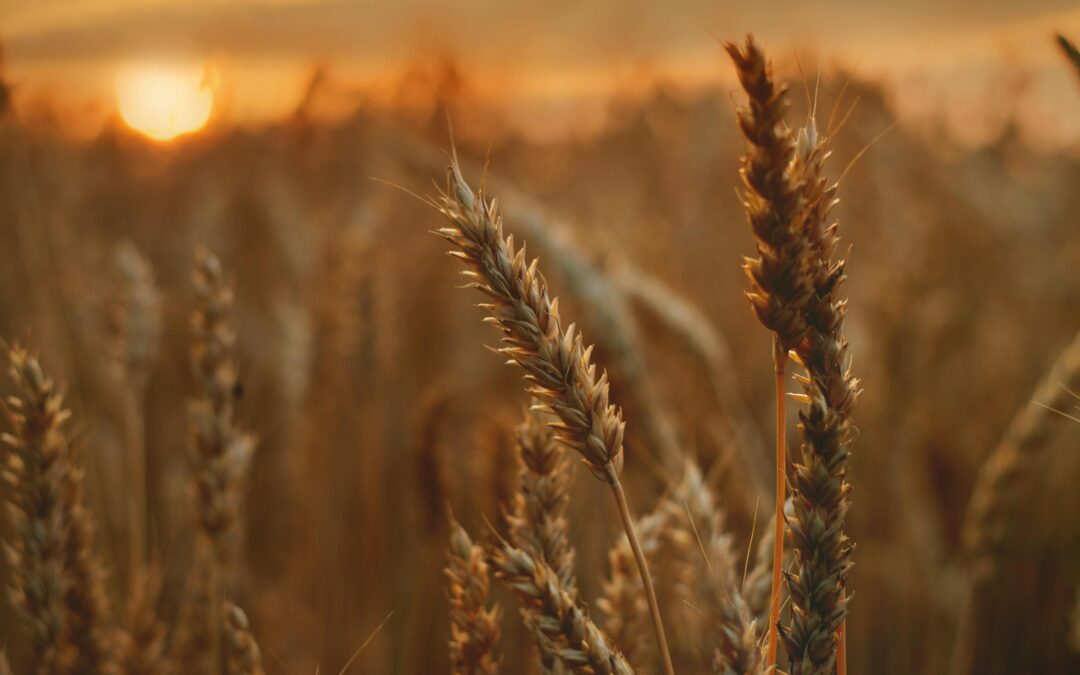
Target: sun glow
{"points": [[163, 101]]}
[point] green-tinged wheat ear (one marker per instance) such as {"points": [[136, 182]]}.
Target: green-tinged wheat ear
{"points": [[59, 587], [554, 615], [242, 650], [474, 625]]}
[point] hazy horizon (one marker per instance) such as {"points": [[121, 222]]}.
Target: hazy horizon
{"points": [[549, 63]]}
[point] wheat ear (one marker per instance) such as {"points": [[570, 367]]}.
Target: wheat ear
{"points": [[557, 363], [705, 576], [779, 283], [1006, 478], [537, 519], [219, 451], [242, 650], [59, 582], [814, 638], [553, 614], [136, 318], [144, 644], [474, 626]]}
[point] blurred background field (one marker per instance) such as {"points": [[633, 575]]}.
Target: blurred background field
{"points": [[377, 408]]}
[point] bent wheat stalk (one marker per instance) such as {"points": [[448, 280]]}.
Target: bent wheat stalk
{"points": [[558, 366]]}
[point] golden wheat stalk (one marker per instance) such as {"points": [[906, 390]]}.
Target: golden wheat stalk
{"points": [[558, 365], [623, 608]]}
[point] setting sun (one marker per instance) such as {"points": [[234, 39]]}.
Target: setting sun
{"points": [[164, 101]]}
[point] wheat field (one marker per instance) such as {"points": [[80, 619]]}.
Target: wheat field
{"points": [[769, 386]]}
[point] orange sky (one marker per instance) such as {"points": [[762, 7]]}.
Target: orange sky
{"points": [[542, 56]]}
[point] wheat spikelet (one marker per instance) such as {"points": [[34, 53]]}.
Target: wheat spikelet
{"points": [[220, 452], [59, 586], [819, 501], [558, 366], [474, 627], [242, 650], [144, 639], [553, 614], [705, 580], [5, 665]]}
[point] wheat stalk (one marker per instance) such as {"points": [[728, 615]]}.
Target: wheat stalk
{"points": [[553, 614], [136, 315], [59, 582], [474, 626], [557, 363], [623, 608], [779, 283], [242, 650]]}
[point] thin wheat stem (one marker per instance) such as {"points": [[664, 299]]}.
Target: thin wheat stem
{"points": [[779, 363], [841, 650], [643, 569]]}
